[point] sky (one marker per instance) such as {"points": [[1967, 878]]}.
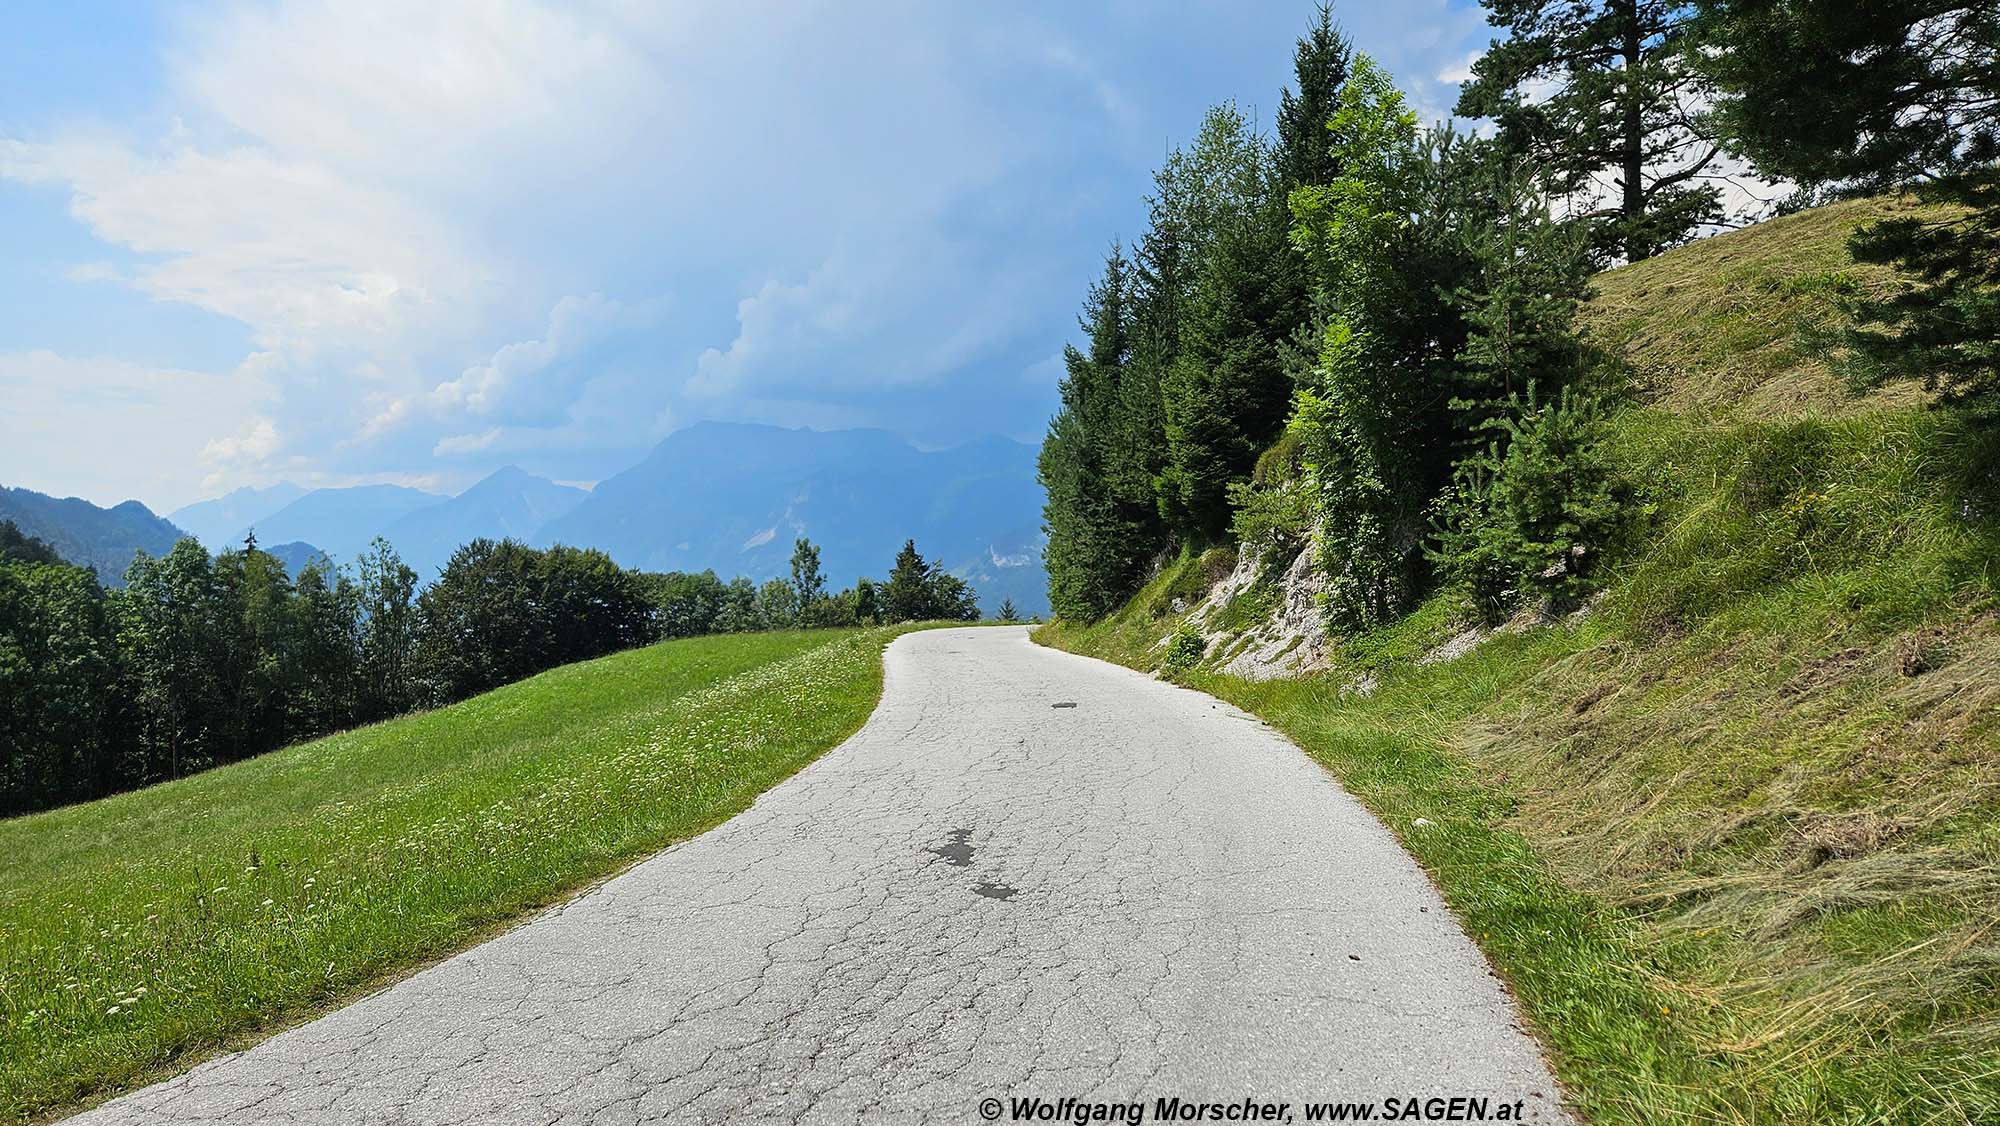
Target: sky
{"points": [[353, 241]]}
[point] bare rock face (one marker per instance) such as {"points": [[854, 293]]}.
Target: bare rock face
{"points": [[1289, 641]]}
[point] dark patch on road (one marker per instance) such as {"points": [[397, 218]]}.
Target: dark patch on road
{"points": [[957, 853], [996, 891], [1064, 704]]}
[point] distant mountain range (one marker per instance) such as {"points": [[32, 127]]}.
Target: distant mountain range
{"points": [[507, 504], [89, 536], [732, 497], [341, 521], [220, 523], [727, 497]]}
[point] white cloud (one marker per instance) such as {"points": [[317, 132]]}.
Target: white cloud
{"points": [[77, 426], [460, 444], [1460, 72], [534, 381], [298, 251], [255, 443], [452, 228]]}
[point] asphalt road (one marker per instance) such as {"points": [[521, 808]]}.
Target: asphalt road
{"points": [[1031, 874]]}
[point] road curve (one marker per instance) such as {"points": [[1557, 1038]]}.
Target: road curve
{"points": [[1030, 874]]}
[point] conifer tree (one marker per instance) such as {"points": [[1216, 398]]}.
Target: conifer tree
{"points": [[1096, 534], [906, 596], [1528, 272], [1161, 280], [1874, 95], [1227, 393], [1623, 105], [1320, 65]]}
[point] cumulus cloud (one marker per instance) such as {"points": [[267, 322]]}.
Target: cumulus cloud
{"points": [[471, 230], [533, 381]]}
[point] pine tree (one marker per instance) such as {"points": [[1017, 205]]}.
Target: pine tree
{"points": [[1625, 104], [1873, 95], [1007, 611]]}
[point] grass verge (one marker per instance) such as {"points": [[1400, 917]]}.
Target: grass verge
{"points": [[143, 931], [1733, 836]]}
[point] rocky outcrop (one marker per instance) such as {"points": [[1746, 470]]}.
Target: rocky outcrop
{"points": [[1288, 638]]}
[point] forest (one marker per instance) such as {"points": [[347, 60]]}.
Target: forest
{"points": [[1358, 335], [202, 660]]}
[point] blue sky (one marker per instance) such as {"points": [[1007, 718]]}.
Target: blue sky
{"points": [[342, 241]]}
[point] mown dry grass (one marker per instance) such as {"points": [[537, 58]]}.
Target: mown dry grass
{"points": [[1733, 834], [1724, 324]]}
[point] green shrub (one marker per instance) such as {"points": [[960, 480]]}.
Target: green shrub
{"points": [[1189, 580], [1216, 563], [1270, 515], [1542, 511], [1183, 582], [1184, 651]]}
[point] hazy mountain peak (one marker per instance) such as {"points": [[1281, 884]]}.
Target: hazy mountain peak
{"points": [[219, 522], [508, 503], [730, 496]]}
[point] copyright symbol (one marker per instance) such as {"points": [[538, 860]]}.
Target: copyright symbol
{"points": [[989, 1109]]}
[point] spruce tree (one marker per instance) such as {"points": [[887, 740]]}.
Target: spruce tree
{"points": [[1227, 393], [1162, 279], [906, 596], [1097, 542], [1320, 65], [1528, 272], [1623, 104]]}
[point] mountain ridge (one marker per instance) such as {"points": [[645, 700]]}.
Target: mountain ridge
{"points": [[87, 534], [716, 495]]}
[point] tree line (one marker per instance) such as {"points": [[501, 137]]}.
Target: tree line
{"points": [[201, 660], [1356, 335]]}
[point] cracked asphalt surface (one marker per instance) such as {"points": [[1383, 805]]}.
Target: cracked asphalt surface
{"points": [[983, 893]]}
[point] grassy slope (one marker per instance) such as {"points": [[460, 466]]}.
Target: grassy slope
{"points": [[1732, 836], [144, 930]]}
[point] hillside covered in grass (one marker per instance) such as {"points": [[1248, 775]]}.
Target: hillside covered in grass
{"points": [[1730, 829], [142, 931]]}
